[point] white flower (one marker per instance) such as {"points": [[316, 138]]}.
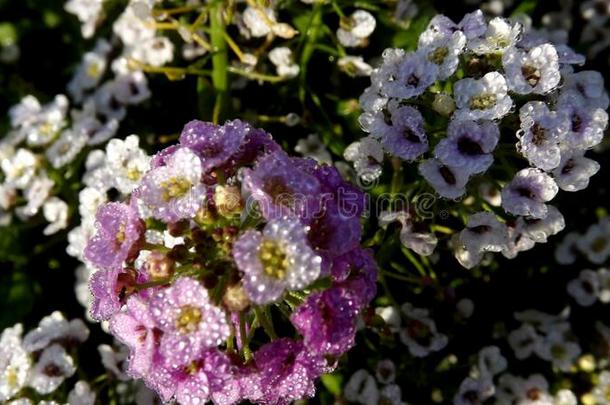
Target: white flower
{"points": [[538, 229], [587, 85], [528, 192], [281, 57], [90, 71], [15, 362], [523, 341], [356, 28], [36, 194], [566, 250], [449, 182], [314, 148], [565, 397], [81, 394], [485, 98], [156, 51], [88, 13], [354, 66], [54, 328], [595, 243], [419, 332], [65, 149], [55, 211], [468, 259], [540, 135], [600, 391], [535, 71], [444, 51], [587, 123], [391, 394], [518, 241], [604, 283], [87, 123], [474, 391], [499, 36], [81, 288], [484, 233], [367, 156], [361, 388], [421, 242], [585, 288], [534, 391], [19, 169], [114, 360], [574, 171], [133, 30], [491, 361], [259, 21], [106, 103], [126, 162], [561, 352], [52, 368], [391, 316], [131, 88], [39, 124]]}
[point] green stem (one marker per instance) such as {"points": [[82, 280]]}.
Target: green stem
{"points": [[243, 337], [220, 61], [265, 321]]}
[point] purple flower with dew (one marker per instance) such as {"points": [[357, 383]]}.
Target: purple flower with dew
{"points": [[119, 232], [574, 171], [469, 145], [136, 328], [356, 270], [541, 133], [287, 371], [484, 233], [110, 289], [449, 182], [277, 259], [281, 188], [484, 98], [535, 71], [327, 321], [587, 85], [406, 137], [174, 191], [208, 377], [414, 74], [528, 192], [190, 322], [587, 124]]}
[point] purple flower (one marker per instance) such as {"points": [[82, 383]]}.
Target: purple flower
{"points": [[356, 270], [137, 329], [469, 145], [281, 188], [449, 182], [174, 191], [527, 193], [225, 146], [110, 289], [287, 371], [276, 259], [406, 137], [189, 321], [118, 233], [414, 74], [587, 123], [327, 321], [208, 377]]}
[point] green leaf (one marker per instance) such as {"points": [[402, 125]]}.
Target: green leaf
{"points": [[526, 7], [333, 383]]}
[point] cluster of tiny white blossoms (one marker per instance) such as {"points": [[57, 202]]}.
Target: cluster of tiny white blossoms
{"points": [[42, 360], [46, 138], [381, 388], [486, 106]]}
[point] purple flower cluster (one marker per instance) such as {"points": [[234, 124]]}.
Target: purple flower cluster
{"points": [[224, 235]]}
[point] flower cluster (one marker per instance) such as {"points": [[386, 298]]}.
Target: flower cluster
{"points": [[486, 105], [220, 239], [42, 360], [594, 244]]}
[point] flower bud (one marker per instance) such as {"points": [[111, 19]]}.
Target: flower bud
{"points": [[159, 266], [235, 298], [227, 200], [443, 104]]}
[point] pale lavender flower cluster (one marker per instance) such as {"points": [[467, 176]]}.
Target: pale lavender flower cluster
{"points": [[224, 235], [594, 244], [42, 360], [450, 107]]}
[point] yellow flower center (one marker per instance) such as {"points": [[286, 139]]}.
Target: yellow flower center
{"points": [[12, 377], [93, 70], [175, 187], [188, 319], [438, 55], [274, 260], [120, 235], [134, 174], [482, 101]]}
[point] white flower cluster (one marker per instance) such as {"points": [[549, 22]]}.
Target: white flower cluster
{"points": [[41, 359], [450, 107], [364, 388], [591, 286], [45, 138]]}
